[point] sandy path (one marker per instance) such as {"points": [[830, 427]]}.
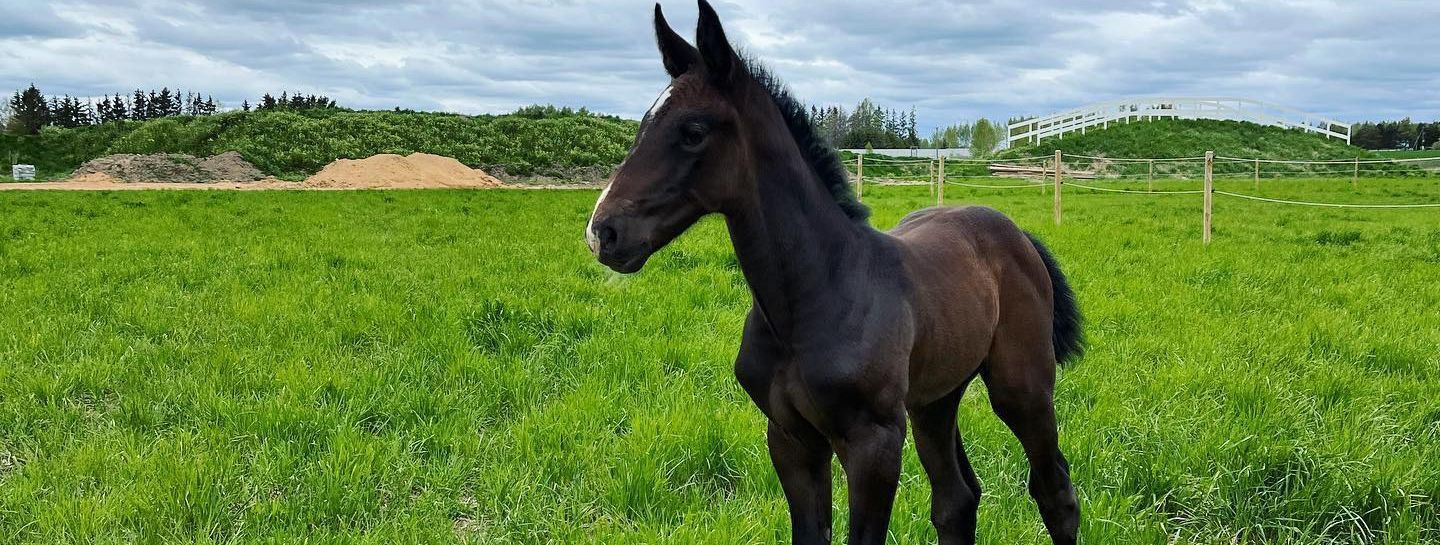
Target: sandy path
{"points": [[218, 186], [264, 185], [88, 185]]}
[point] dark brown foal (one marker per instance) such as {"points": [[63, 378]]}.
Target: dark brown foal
{"points": [[851, 329]]}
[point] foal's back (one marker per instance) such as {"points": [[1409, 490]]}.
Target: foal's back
{"points": [[976, 279]]}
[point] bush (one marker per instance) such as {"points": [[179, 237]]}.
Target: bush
{"points": [[295, 144]]}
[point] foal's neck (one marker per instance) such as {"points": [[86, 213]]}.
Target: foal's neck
{"points": [[791, 238]]}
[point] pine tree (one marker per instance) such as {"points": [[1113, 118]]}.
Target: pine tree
{"points": [[59, 112], [267, 102], [28, 111], [245, 105], [52, 109], [210, 108], [913, 134], [165, 103], [121, 113], [139, 106], [79, 113], [153, 108], [64, 114], [87, 113]]}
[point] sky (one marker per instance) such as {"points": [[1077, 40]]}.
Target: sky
{"points": [[953, 61]]}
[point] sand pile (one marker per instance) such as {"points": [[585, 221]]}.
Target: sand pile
{"points": [[168, 168], [414, 171]]}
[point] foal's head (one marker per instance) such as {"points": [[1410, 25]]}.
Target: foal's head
{"points": [[688, 156]]}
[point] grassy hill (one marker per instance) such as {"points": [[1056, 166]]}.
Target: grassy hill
{"points": [[294, 144], [1192, 138]]}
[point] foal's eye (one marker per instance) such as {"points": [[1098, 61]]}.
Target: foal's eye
{"points": [[692, 134]]}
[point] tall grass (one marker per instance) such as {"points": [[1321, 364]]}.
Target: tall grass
{"points": [[452, 366]]}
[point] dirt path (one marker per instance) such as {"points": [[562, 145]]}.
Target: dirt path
{"points": [[229, 171], [99, 185], [263, 185]]}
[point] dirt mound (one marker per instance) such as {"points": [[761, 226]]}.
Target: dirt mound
{"points": [[414, 171], [171, 168]]}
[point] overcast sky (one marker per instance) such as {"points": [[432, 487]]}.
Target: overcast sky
{"points": [[953, 61]]}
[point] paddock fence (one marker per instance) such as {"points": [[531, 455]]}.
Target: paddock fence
{"points": [[1103, 114], [1050, 175]]}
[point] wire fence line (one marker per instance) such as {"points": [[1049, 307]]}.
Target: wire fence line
{"points": [[1331, 161], [1051, 174], [1326, 204], [1114, 190], [985, 186]]}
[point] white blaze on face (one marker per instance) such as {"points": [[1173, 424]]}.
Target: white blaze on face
{"points": [[590, 237], [660, 101]]}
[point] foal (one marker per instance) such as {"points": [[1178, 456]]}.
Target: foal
{"points": [[851, 328]]}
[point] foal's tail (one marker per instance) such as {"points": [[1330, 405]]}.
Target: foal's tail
{"points": [[1069, 336]]}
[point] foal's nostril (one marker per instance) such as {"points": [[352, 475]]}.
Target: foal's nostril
{"points": [[607, 234]]}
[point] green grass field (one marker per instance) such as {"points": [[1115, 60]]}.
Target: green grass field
{"points": [[1409, 154], [452, 366]]}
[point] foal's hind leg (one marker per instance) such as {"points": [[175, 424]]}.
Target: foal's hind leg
{"points": [[954, 490], [1021, 382]]}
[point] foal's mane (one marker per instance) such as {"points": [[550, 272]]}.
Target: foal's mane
{"points": [[817, 152]]}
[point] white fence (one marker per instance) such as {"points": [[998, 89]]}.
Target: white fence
{"points": [[916, 152], [1145, 109]]}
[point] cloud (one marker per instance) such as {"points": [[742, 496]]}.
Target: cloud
{"points": [[951, 60]]}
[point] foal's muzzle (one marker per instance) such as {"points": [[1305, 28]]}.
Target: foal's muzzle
{"points": [[609, 242]]}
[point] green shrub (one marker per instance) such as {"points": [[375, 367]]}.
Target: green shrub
{"points": [[294, 144]]}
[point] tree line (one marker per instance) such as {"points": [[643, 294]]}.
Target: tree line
{"points": [[1403, 134], [30, 110], [982, 137], [869, 125]]}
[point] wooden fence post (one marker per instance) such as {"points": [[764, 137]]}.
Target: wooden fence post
{"points": [[940, 183], [1059, 167], [1152, 176], [1209, 191], [859, 175], [930, 178], [1355, 180], [1045, 167], [1257, 174]]}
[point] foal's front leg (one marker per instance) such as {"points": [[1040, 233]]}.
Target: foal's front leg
{"points": [[801, 457], [870, 453]]}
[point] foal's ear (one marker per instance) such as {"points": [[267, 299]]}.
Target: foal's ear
{"points": [[721, 62], [677, 53]]}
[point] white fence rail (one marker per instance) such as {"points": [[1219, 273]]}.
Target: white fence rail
{"points": [[914, 152], [1102, 114]]}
